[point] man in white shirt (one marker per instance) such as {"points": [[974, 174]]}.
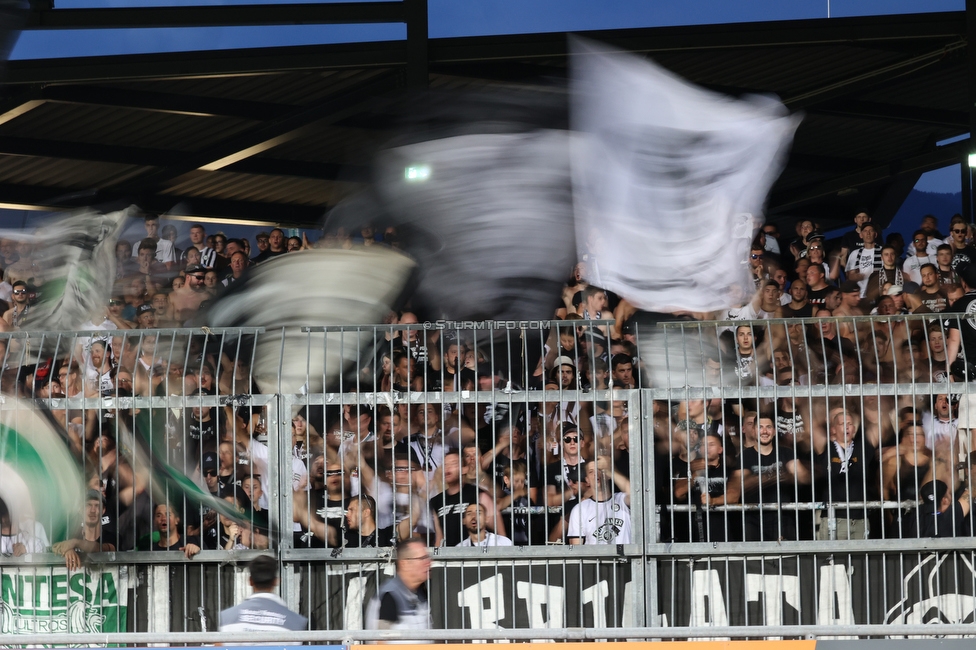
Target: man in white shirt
{"points": [[198, 237], [914, 263], [475, 516], [864, 261], [164, 247], [604, 516]]}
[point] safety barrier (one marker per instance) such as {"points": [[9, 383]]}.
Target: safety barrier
{"points": [[698, 544]]}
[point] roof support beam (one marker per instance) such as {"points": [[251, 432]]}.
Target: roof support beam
{"points": [[14, 146], [861, 81], [940, 157], [164, 102], [218, 16], [905, 114], [265, 137]]}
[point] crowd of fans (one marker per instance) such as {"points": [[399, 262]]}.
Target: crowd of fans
{"points": [[504, 469]]}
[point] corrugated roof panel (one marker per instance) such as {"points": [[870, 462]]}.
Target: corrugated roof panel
{"points": [[68, 174], [297, 88], [123, 127], [784, 70], [265, 189], [332, 144]]}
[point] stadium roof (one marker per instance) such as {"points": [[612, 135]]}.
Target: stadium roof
{"points": [[281, 134]]}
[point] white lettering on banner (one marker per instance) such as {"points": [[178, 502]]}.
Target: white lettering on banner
{"points": [[773, 588], [944, 608], [597, 595], [50, 599], [537, 596], [707, 601], [484, 603], [835, 606], [630, 608], [352, 614]]}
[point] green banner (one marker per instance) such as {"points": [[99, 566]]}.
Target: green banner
{"points": [[42, 600]]}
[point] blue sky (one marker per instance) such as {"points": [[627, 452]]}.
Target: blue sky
{"points": [[450, 18]]}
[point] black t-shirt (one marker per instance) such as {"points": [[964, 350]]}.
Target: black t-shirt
{"points": [[381, 537], [713, 479], [963, 255], [925, 521], [846, 479], [816, 298], [775, 486], [851, 241], [260, 257], [449, 508], [806, 311]]}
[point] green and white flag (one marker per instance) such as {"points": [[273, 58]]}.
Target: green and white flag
{"points": [[49, 600]]}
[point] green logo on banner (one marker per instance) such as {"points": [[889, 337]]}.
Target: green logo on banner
{"points": [[47, 600]]}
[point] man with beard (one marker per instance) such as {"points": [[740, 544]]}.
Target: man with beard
{"points": [[768, 474]]}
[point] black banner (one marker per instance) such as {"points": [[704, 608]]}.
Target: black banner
{"points": [[527, 595], [838, 589]]}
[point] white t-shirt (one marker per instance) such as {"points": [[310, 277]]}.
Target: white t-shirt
{"points": [[164, 251], [603, 522], [913, 264], [866, 261], [259, 453], [491, 539]]}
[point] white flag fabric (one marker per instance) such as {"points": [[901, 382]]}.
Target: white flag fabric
{"points": [[669, 180]]}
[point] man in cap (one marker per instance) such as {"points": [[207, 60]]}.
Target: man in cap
{"points": [[852, 240], [938, 515], [146, 317], [263, 611], [850, 297], [866, 260], [187, 299]]}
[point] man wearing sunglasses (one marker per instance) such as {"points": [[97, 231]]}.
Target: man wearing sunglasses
{"points": [[962, 249], [914, 263], [17, 315], [187, 299]]}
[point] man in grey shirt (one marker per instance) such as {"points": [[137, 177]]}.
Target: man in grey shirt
{"points": [[263, 611]]}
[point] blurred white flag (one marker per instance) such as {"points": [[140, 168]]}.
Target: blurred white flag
{"points": [[669, 180]]}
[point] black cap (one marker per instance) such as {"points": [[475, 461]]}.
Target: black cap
{"points": [[849, 286], [195, 268], [209, 461], [967, 271], [933, 491], [142, 309]]}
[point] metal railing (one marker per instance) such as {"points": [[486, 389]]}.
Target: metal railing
{"points": [[382, 408]]}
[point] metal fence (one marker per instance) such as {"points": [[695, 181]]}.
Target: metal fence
{"points": [[751, 479]]}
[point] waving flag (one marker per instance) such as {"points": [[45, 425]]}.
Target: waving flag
{"points": [[669, 180]]}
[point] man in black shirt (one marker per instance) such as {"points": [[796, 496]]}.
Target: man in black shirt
{"points": [[361, 530], [939, 515], [817, 286], [852, 240], [844, 462], [769, 471], [448, 507]]}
